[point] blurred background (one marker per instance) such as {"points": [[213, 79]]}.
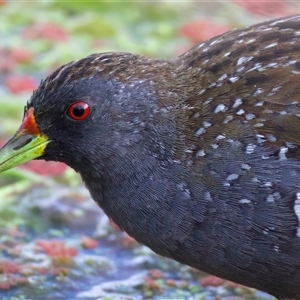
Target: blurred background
{"points": [[55, 243]]}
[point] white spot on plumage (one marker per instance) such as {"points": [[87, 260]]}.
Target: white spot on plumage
{"points": [[250, 41], [240, 69], [249, 116], [188, 151], [245, 167], [276, 88], [259, 103], [244, 201], [257, 92], [200, 131], [214, 42], [259, 125], [224, 76], [256, 66], [207, 101], [201, 153], [200, 46], [277, 22], [243, 60], [260, 138], [220, 137], [282, 152], [250, 148], [228, 119], [237, 102], [267, 29], [206, 124], [271, 138], [297, 211], [233, 79], [207, 196], [232, 177], [272, 65], [291, 62], [271, 45], [220, 108]]}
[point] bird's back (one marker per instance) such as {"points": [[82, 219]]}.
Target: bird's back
{"points": [[243, 157]]}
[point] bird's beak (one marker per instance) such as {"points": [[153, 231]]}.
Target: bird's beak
{"points": [[27, 143]]}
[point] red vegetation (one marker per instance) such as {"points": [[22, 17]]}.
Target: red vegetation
{"points": [[211, 280], [12, 281], [266, 8], [17, 84], [7, 63], [21, 55], [10, 58], [89, 243], [171, 282], [156, 274], [45, 168], [9, 267], [199, 31], [128, 241], [10, 272], [42, 270], [152, 285], [46, 31], [56, 248]]}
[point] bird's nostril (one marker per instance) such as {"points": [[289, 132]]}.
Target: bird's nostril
{"points": [[22, 143]]}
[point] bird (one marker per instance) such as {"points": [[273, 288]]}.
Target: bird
{"points": [[196, 157]]}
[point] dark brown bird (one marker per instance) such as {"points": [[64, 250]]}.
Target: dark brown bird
{"points": [[197, 157]]}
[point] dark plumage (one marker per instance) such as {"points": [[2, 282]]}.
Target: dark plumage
{"points": [[196, 157]]}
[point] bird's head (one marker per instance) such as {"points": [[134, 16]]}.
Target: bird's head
{"points": [[92, 111]]}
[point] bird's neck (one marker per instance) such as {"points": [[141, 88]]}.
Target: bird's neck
{"points": [[131, 196]]}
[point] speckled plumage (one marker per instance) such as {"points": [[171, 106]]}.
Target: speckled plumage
{"points": [[196, 157]]}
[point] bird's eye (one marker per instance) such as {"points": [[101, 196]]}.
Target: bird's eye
{"points": [[79, 111]]}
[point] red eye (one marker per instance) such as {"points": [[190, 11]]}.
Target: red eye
{"points": [[79, 111]]}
